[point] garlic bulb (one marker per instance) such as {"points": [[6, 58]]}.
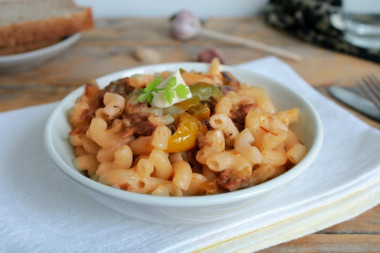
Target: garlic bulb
{"points": [[184, 25]]}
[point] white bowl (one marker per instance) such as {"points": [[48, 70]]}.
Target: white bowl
{"points": [[32, 59], [195, 209]]}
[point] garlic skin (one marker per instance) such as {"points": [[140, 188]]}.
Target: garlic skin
{"points": [[147, 55], [184, 25]]}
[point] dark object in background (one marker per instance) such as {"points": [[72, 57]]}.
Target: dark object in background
{"points": [[310, 21], [210, 53]]}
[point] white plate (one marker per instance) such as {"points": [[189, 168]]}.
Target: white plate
{"points": [[35, 58]]}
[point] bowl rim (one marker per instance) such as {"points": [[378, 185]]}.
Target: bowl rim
{"points": [[184, 201], [41, 51]]}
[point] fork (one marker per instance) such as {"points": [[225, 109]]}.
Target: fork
{"points": [[370, 86]]}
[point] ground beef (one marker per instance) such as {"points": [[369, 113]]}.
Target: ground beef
{"points": [[238, 116], [206, 122], [140, 125], [120, 86], [173, 128], [95, 101], [230, 80], [195, 165], [227, 181], [211, 103], [139, 108], [136, 118]]}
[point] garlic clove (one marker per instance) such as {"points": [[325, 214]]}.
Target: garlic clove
{"points": [[147, 55]]}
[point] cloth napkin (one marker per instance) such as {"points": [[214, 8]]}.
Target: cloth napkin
{"points": [[43, 211]]}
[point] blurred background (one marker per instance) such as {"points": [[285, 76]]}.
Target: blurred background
{"points": [[154, 8]]}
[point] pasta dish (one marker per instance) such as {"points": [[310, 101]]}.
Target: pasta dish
{"points": [[182, 133]]}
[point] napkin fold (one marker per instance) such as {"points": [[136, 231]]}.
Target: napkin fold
{"points": [[41, 210]]}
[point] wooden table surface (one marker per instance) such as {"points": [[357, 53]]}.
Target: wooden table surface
{"points": [[109, 47]]}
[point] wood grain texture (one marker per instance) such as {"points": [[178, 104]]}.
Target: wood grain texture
{"points": [[315, 243], [361, 234], [109, 48]]}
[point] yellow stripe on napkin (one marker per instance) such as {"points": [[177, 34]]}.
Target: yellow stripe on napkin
{"points": [[301, 225]]}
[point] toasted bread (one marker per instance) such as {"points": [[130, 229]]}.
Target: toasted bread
{"points": [[25, 23]]}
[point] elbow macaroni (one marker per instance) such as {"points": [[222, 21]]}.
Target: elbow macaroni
{"points": [[245, 140], [214, 142], [223, 122], [230, 160], [244, 146]]}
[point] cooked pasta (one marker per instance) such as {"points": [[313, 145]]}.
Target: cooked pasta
{"points": [[212, 134]]}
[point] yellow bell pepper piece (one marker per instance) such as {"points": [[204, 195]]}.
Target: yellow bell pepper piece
{"points": [[185, 138]]}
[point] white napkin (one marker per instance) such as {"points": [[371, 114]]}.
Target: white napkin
{"points": [[43, 211]]}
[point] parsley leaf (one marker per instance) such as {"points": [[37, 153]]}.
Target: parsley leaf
{"points": [[169, 92], [150, 98], [146, 94], [171, 82], [142, 97], [169, 95], [182, 90]]}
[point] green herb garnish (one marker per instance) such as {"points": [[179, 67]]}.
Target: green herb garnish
{"points": [[147, 92], [169, 91], [182, 90]]}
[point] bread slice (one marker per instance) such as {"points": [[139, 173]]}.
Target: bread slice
{"points": [[33, 22]]}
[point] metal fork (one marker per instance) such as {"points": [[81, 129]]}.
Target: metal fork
{"points": [[370, 86]]}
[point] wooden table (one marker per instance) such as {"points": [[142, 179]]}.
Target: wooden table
{"points": [[109, 47]]}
